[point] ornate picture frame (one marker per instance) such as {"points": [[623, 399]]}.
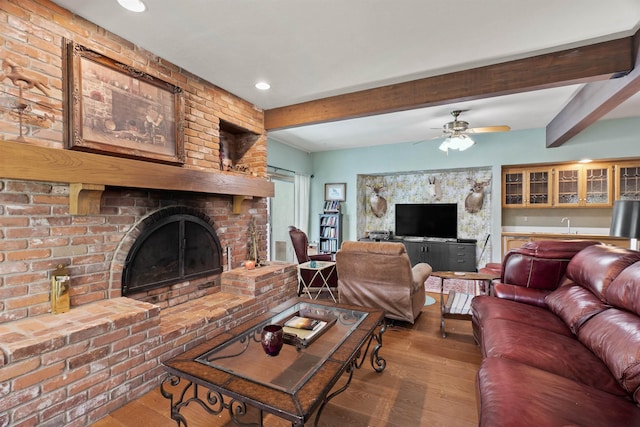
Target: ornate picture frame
{"points": [[335, 191], [113, 108]]}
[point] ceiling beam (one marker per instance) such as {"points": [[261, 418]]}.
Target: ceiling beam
{"points": [[577, 65], [593, 101]]}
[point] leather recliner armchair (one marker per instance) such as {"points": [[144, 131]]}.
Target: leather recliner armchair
{"points": [[379, 275], [301, 246]]}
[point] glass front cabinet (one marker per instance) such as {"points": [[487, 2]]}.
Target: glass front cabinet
{"points": [[627, 179], [527, 187], [589, 184]]}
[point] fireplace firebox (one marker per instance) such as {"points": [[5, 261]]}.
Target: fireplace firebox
{"points": [[176, 245]]}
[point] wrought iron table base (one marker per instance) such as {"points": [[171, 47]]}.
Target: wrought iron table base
{"points": [[215, 403]]}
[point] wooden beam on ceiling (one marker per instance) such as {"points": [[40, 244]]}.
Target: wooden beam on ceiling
{"points": [[593, 101], [577, 65]]}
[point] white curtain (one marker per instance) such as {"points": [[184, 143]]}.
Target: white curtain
{"points": [[301, 187]]}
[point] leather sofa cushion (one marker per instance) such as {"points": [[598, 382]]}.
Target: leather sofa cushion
{"points": [[575, 305], [540, 264], [595, 267], [558, 249], [484, 308], [559, 354], [514, 394], [624, 291], [614, 336], [525, 270]]}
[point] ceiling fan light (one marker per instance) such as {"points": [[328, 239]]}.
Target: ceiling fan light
{"points": [[446, 144], [133, 5], [465, 142], [456, 142]]}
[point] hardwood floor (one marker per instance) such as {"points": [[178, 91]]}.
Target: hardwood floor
{"points": [[428, 381]]}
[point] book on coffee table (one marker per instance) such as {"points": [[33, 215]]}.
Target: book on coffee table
{"points": [[303, 330], [299, 322]]}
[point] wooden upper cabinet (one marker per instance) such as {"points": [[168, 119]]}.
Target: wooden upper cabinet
{"points": [[527, 187], [627, 180], [582, 185]]}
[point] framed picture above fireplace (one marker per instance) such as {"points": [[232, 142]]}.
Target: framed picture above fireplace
{"points": [[113, 108]]}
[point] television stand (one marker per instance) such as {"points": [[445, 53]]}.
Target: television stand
{"points": [[442, 254]]}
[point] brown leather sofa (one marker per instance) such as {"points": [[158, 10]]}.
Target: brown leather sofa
{"points": [[379, 275], [575, 360]]}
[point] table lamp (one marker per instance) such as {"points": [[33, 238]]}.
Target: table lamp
{"points": [[625, 221]]}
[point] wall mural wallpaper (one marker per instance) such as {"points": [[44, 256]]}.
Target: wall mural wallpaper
{"points": [[469, 188]]}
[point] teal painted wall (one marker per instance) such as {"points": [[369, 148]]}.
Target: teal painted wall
{"points": [[604, 140], [285, 157]]}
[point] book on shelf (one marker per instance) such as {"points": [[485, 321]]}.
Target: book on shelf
{"points": [[328, 221], [332, 206], [327, 246]]}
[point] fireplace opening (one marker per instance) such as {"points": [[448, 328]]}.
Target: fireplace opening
{"points": [[171, 249]]}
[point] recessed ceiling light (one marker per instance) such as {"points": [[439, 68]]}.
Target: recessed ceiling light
{"points": [[585, 161], [263, 86], [133, 5]]}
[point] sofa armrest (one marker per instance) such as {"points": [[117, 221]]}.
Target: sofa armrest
{"points": [[320, 257], [517, 293], [421, 273]]}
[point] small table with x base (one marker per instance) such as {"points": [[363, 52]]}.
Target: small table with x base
{"points": [[322, 269]]}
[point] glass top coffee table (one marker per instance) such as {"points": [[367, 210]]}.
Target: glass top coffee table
{"points": [[232, 373]]}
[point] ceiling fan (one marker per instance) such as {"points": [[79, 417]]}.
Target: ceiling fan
{"points": [[456, 133]]}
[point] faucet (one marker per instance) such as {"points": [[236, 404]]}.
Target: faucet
{"points": [[568, 224]]}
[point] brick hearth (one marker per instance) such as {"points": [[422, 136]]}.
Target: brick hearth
{"points": [[73, 368]]}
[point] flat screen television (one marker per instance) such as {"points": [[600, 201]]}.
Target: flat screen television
{"points": [[438, 220]]}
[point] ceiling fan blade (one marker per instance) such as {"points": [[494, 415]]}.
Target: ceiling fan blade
{"points": [[501, 128]]}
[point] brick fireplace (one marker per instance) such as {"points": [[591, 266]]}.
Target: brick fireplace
{"points": [[85, 211], [108, 349], [39, 233], [176, 244]]}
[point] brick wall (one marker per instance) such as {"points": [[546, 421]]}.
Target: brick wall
{"points": [[36, 229], [32, 34], [64, 377]]}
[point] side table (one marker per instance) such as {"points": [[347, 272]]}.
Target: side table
{"points": [[322, 269], [458, 304]]}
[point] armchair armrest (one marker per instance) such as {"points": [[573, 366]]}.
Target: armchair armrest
{"points": [[517, 293], [421, 273], [320, 257]]}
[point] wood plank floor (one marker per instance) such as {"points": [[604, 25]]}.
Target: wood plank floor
{"points": [[428, 381]]}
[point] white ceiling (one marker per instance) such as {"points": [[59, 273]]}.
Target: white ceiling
{"points": [[309, 50]]}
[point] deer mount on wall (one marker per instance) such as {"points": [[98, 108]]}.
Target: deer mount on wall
{"points": [[376, 201], [434, 188], [475, 199]]}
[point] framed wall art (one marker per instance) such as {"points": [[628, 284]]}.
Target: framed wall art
{"points": [[336, 191], [112, 108]]}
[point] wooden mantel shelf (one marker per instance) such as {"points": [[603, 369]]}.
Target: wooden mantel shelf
{"points": [[89, 174]]}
